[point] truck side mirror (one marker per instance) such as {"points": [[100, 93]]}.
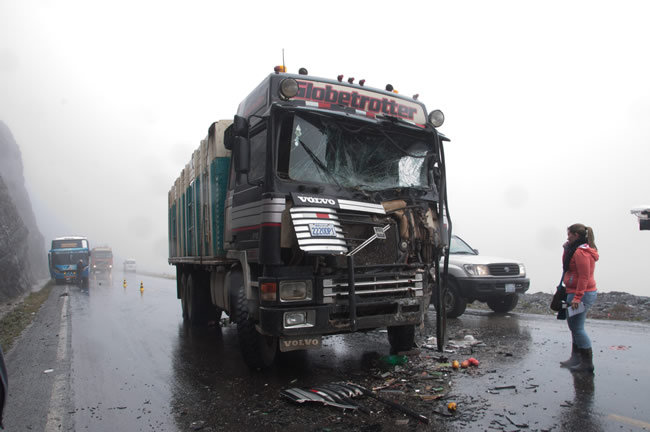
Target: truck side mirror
{"points": [[241, 153], [240, 125]]}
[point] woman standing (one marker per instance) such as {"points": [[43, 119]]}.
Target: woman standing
{"points": [[579, 261]]}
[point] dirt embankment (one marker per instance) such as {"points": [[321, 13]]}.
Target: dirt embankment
{"points": [[613, 305]]}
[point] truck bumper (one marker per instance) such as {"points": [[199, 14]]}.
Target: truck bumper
{"points": [[333, 319], [483, 288]]}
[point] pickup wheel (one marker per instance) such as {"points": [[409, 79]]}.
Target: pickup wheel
{"points": [[259, 351], [503, 304], [401, 338], [455, 305]]}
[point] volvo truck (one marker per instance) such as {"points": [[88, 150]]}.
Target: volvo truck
{"points": [[318, 210]]}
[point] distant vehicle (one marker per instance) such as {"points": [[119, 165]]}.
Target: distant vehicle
{"points": [[129, 265], [643, 213], [101, 260], [496, 281], [63, 259]]}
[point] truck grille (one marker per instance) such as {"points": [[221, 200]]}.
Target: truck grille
{"points": [[506, 269], [374, 285], [351, 229]]}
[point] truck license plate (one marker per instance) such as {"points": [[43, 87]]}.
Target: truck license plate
{"points": [[510, 288], [322, 230], [300, 343]]}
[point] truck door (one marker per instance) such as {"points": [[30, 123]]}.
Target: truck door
{"points": [[245, 195]]}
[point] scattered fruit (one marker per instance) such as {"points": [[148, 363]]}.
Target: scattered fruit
{"points": [[473, 361], [451, 406], [465, 364], [455, 364]]}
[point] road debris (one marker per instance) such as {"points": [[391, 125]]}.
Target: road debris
{"points": [[340, 395]]}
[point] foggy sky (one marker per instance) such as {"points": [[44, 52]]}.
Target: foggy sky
{"points": [[546, 103]]}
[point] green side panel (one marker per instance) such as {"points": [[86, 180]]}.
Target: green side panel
{"points": [[197, 212], [184, 239], [189, 251], [169, 232], [218, 186], [172, 233]]}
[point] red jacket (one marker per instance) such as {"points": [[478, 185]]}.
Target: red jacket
{"points": [[580, 276]]}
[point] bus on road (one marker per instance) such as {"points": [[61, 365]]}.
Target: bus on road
{"points": [[64, 257]]}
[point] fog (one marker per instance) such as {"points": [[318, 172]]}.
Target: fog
{"points": [[546, 104]]}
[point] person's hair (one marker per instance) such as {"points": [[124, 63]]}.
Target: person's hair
{"points": [[586, 234]]}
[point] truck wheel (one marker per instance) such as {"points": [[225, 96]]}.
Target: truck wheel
{"points": [[503, 304], [197, 303], [259, 351], [455, 305], [184, 295], [401, 338]]}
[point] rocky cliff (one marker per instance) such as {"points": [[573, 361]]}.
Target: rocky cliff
{"points": [[23, 257]]}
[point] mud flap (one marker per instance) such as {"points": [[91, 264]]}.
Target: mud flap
{"points": [[300, 343]]}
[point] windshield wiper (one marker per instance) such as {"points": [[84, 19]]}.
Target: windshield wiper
{"points": [[319, 163]]}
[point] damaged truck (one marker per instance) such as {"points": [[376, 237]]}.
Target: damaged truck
{"points": [[317, 211]]}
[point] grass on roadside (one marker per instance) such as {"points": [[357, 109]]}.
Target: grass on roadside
{"points": [[13, 324]]}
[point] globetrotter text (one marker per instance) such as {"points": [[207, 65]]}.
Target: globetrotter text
{"points": [[309, 91]]}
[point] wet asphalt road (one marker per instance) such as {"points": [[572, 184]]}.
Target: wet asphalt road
{"points": [[122, 359]]}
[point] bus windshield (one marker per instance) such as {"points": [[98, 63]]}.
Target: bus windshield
{"points": [[67, 258], [319, 149]]}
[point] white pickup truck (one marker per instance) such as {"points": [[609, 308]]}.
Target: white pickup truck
{"points": [[496, 281]]}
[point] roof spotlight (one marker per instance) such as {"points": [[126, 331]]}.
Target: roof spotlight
{"points": [[351, 80], [436, 118], [389, 87], [288, 88], [303, 71], [362, 82], [416, 96], [340, 78]]}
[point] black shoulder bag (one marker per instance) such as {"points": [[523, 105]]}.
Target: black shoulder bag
{"points": [[559, 296]]}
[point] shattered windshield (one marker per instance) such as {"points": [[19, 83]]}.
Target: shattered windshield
{"points": [[367, 157]]}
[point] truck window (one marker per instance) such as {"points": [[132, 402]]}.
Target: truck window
{"points": [[258, 155], [257, 143]]}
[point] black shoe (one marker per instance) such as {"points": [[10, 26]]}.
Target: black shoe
{"points": [[586, 361]]}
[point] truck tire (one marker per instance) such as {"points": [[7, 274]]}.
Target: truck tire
{"points": [[183, 289], [259, 351], [198, 300], [401, 338], [503, 304], [455, 305]]}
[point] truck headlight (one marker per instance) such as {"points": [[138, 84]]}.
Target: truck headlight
{"points": [[295, 290], [477, 269], [296, 319], [522, 270], [292, 319], [288, 88]]}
